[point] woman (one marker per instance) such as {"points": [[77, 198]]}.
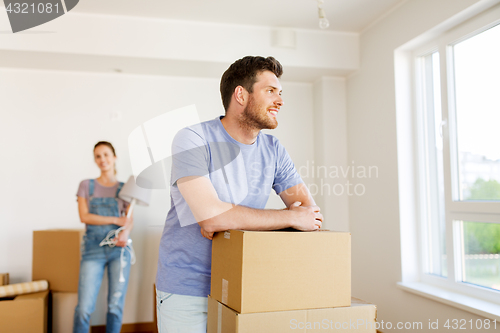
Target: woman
{"points": [[103, 212]]}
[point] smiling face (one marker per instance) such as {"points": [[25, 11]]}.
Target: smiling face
{"points": [[264, 103], [104, 158]]}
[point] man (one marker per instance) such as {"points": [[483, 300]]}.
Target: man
{"points": [[222, 173]]}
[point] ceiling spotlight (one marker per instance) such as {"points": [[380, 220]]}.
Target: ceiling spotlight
{"points": [[323, 21]]}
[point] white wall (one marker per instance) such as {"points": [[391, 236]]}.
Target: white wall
{"points": [[50, 122], [371, 128], [330, 166]]}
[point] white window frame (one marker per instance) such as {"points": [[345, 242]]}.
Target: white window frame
{"points": [[449, 290]]}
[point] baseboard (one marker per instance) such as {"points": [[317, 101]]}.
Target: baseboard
{"points": [[129, 328]]}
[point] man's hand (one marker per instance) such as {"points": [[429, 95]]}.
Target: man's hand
{"points": [[206, 234], [307, 218]]}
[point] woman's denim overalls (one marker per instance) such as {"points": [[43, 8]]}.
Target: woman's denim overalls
{"points": [[94, 259]]}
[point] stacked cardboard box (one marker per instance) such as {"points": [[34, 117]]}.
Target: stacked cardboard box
{"points": [[56, 258], [283, 281], [359, 318], [4, 279], [25, 313]]}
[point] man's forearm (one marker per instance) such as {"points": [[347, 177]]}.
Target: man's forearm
{"points": [[245, 218], [215, 215]]}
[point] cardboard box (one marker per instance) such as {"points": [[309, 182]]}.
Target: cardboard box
{"points": [[360, 317], [25, 313], [259, 271], [155, 318], [56, 258], [63, 311], [4, 279]]}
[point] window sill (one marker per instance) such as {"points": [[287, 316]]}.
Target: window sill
{"points": [[474, 305]]}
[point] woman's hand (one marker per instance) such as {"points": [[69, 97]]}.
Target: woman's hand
{"points": [[122, 238]]}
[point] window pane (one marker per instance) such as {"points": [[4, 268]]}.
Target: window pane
{"points": [[477, 91], [435, 230], [481, 254]]}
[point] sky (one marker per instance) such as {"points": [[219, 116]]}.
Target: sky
{"points": [[477, 84]]}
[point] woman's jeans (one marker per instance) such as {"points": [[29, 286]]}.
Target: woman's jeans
{"points": [[180, 313], [94, 260]]}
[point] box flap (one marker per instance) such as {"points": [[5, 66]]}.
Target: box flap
{"points": [[38, 295]]}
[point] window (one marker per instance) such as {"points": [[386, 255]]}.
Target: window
{"points": [[433, 227], [457, 99]]}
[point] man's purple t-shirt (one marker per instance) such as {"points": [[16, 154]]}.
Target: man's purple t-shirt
{"points": [[241, 174]]}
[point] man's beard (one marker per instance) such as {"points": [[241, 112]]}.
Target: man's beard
{"points": [[256, 117]]}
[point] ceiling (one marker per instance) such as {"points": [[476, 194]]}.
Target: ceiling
{"points": [[344, 15]]}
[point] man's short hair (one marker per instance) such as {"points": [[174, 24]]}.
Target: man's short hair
{"points": [[243, 72]]}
